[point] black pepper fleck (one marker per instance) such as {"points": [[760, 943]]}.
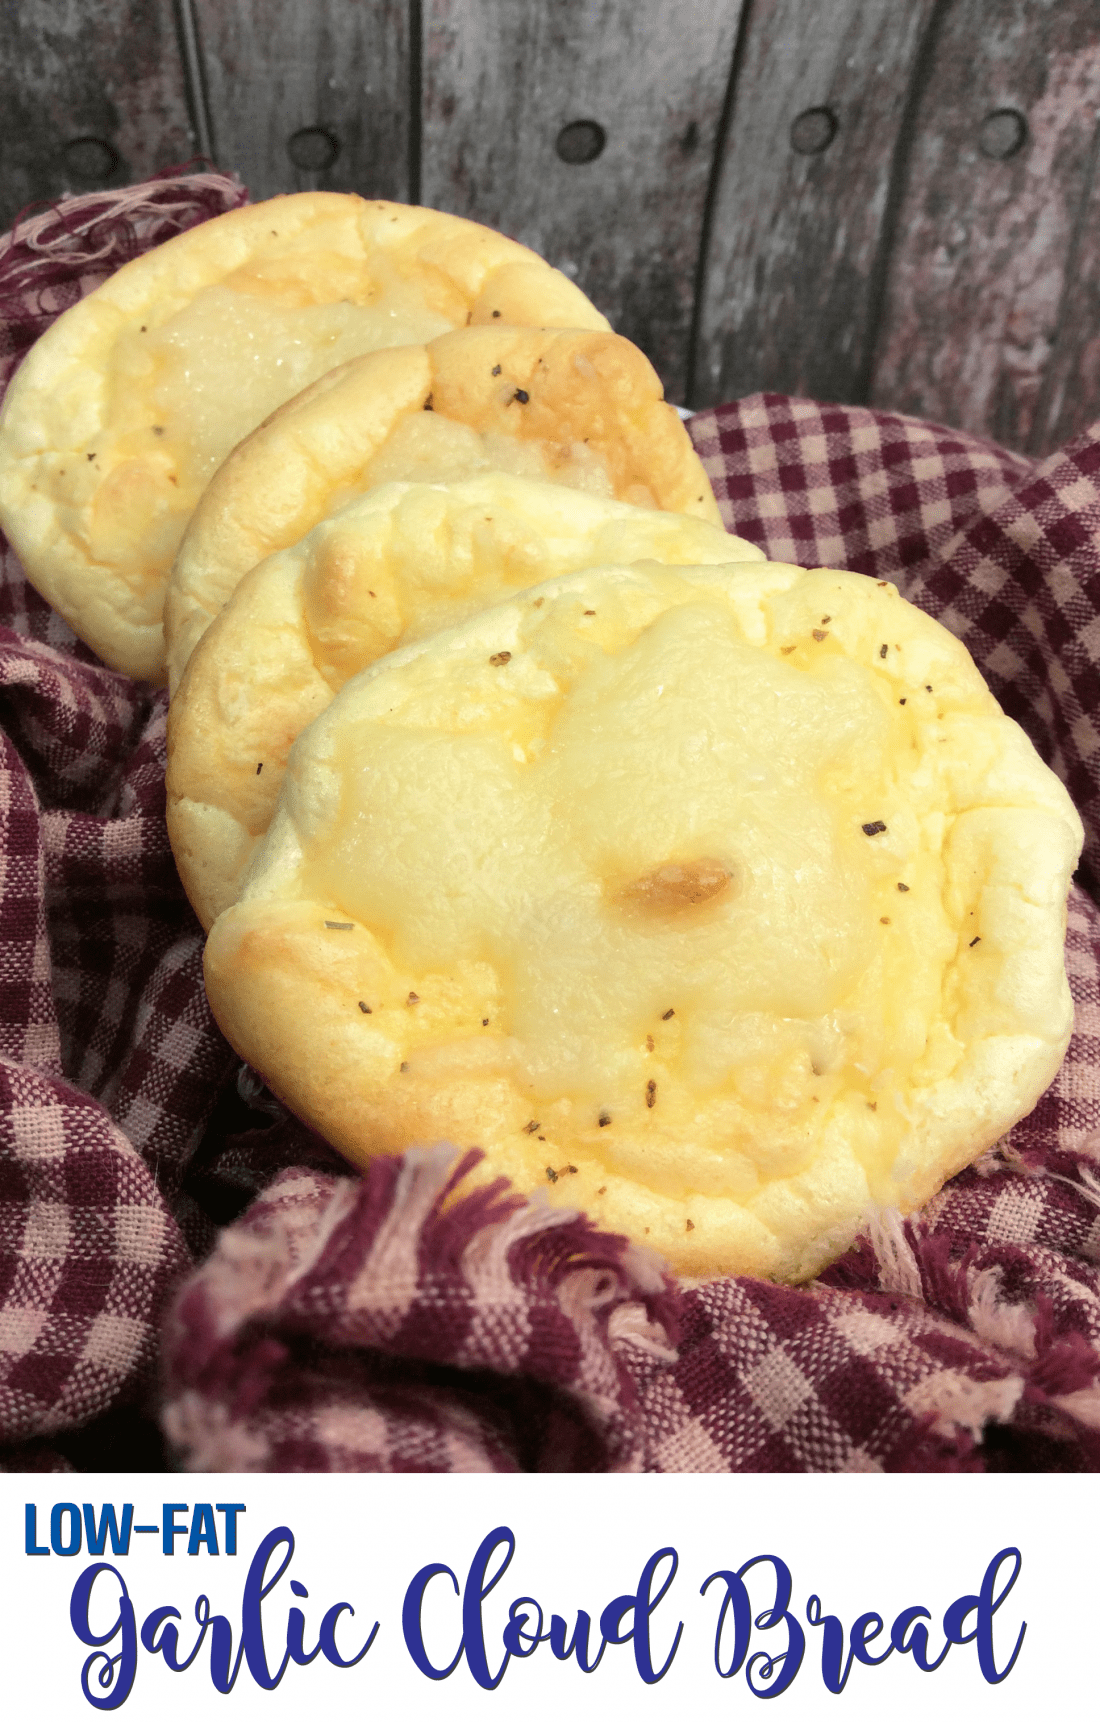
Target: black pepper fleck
{"points": [[259, 768], [485, 1022], [365, 1008], [882, 651], [902, 887], [428, 404], [495, 371], [667, 1014], [499, 658], [521, 396], [821, 633], [551, 1174], [531, 1126], [413, 998], [651, 1093], [976, 941], [690, 1226], [605, 1120], [873, 827]]}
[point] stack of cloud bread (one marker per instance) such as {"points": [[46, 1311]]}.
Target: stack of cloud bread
{"points": [[525, 806], [123, 411]]}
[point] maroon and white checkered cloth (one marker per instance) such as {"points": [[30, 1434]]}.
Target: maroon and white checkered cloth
{"points": [[187, 1275]]}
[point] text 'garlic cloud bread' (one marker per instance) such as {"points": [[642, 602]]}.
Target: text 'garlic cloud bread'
{"points": [[124, 408], [723, 904], [583, 409], [403, 561]]}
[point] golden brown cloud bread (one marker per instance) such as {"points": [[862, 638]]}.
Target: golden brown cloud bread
{"points": [[581, 408], [122, 411], [402, 561], [723, 904]]}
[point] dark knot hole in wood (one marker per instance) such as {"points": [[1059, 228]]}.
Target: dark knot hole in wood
{"points": [[813, 131], [1003, 133], [90, 160], [313, 149], [580, 141]]}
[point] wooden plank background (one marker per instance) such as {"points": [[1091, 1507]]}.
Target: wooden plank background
{"points": [[795, 232], [893, 201], [502, 81], [985, 251], [326, 82]]}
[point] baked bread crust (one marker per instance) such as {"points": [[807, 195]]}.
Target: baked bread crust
{"points": [[724, 904], [402, 561], [102, 454], [577, 406]]}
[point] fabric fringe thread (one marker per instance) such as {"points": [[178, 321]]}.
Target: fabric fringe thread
{"points": [[353, 1265]]}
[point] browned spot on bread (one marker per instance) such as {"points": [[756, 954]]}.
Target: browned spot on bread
{"points": [[679, 885]]}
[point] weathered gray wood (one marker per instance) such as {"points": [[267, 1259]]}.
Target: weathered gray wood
{"points": [[1070, 397], [978, 280], [502, 78], [92, 93], [791, 268], [274, 69]]}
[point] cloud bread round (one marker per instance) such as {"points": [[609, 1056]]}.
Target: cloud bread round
{"points": [[122, 411], [582, 408], [402, 561], [723, 904]]}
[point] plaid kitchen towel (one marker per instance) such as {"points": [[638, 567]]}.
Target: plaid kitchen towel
{"points": [[188, 1276]]}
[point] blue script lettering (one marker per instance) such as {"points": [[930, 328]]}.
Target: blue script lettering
{"points": [[984, 1606], [115, 1674], [640, 1606], [520, 1638], [789, 1660], [968, 1620], [478, 1587], [112, 1676], [517, 1637], [835, 1667]]}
